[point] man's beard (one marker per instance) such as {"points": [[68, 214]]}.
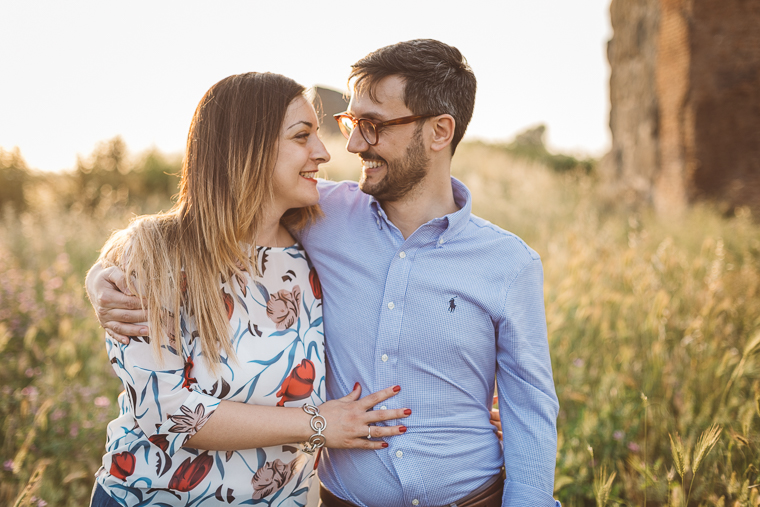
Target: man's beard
{"points": [[401, 176]]}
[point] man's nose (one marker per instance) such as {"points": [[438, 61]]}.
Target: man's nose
{"points": [[356, 142]]}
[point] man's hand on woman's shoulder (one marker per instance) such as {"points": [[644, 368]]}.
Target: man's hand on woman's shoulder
{"points": [[117, 310]]}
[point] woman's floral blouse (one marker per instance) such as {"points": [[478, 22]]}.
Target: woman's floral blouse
{"points": [[276, 323]]}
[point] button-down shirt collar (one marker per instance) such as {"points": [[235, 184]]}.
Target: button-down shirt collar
{"points": [[447, 226]]}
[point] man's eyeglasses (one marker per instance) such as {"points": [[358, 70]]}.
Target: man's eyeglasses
{"points": [[370, 129]]}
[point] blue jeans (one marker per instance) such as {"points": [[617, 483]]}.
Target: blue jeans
{"points": [[102, 499]]}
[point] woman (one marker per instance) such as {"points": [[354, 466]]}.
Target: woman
{"points": [[212, 409]]}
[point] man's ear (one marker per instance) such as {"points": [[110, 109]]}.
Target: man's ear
{"points": [[443, 131]]}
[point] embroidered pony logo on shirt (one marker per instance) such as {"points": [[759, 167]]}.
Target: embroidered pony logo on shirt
{"points": [[452, 304]]}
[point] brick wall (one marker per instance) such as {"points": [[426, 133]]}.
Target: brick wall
{"points": [[685, 102], [725, 96]]}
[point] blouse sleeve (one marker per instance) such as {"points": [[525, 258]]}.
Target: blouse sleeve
{"points": [[167, 404]]}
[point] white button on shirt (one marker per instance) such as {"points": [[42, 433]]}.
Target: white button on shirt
{"points": [[402, 254], [391, 305], [399, 454], [415, 502], [384, 357], [384, 407]]}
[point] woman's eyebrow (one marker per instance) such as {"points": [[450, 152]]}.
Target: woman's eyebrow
{"points": [[307, 123]]}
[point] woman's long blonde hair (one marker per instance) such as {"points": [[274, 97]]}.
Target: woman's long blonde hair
{"points": [[178, 258]]}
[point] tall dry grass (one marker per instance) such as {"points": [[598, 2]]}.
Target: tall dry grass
{"points": [[654, 328]]}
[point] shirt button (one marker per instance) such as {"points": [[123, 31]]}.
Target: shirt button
{"points": [[440, 241], [415, 502], [391, 305], [399, 454], [384, 357], [402, 254], [384, 407]]}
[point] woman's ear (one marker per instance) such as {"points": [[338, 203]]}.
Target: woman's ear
{"points": [[443, 131]]}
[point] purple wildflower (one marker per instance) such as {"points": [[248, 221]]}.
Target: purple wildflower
{"points": [[102, 401]]}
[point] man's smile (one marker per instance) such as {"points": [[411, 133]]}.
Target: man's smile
{"points": [[372, 164]]}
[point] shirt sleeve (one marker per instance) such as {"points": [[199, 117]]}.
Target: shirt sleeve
{"points": [[527, 401], [167, 404]]}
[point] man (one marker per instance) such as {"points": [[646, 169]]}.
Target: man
{"points": [[419, 292]]}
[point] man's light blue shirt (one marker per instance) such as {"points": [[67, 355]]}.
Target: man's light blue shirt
{"points": [[441, 314]]}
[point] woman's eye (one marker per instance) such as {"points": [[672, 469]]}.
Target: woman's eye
{"points": [[303, 135]]}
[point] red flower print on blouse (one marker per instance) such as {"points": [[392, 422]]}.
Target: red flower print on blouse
{"points": [[316, 286], [299, 384], [160, 441], [229, 304], [284, 307], [191, 472], [189, 364], [122, 465], [274, 475]]}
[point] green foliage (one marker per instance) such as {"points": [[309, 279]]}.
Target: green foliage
{"points": [[14, 176], [530, 145], [634, 304], [108, 177]]}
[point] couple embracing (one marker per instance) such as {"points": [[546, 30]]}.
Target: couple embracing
{"points": [[280, 315]]}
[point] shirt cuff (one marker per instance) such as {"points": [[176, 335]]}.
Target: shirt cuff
{"points": [[520, 495], [185, 422]]}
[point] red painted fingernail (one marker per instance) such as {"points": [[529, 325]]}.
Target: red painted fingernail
{"points": [[402, 429], [385, 444], [356, 386], [396, 389], [408, 411]]}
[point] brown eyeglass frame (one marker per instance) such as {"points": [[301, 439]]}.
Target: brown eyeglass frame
{"points": [[377, 126]]}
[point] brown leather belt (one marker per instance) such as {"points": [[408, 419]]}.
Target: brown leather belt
{"points": [[488, 495]]}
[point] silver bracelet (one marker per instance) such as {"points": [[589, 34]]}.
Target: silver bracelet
{"points": [[317, 424]]}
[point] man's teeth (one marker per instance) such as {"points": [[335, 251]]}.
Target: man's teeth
{"points": [[371, 164]]}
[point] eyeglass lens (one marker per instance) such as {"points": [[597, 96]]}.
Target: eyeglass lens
{"points": [[366, 127], [369, 132]]}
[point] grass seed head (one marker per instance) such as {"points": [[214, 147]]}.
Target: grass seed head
{"points": [[676, 447], [705, 444]]}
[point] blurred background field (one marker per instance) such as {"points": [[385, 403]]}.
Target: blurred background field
{"points": [[654, 324]]}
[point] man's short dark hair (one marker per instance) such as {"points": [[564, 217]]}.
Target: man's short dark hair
{"points": [[437, 79]]}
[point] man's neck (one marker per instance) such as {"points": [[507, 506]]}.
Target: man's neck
{"points": [[433, 198]]}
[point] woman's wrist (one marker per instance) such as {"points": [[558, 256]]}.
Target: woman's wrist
{"points": [[318, 424]]}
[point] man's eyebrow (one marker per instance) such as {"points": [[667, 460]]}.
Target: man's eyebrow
{"points": [[307, 123], [371, 115]]}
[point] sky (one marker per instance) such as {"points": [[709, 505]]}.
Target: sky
{"points": [[78, 72]]}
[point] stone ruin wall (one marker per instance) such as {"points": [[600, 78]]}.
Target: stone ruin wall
{"points": [[685, 102]]}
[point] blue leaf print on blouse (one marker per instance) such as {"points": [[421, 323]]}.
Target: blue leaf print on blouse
{"points": [[245, 306], [291, 355], [202, 498], [253, 387], [262, 457], [296, 255], [219, 464], [317, 322], [315, 347], [269, 362], [263, 290]]}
